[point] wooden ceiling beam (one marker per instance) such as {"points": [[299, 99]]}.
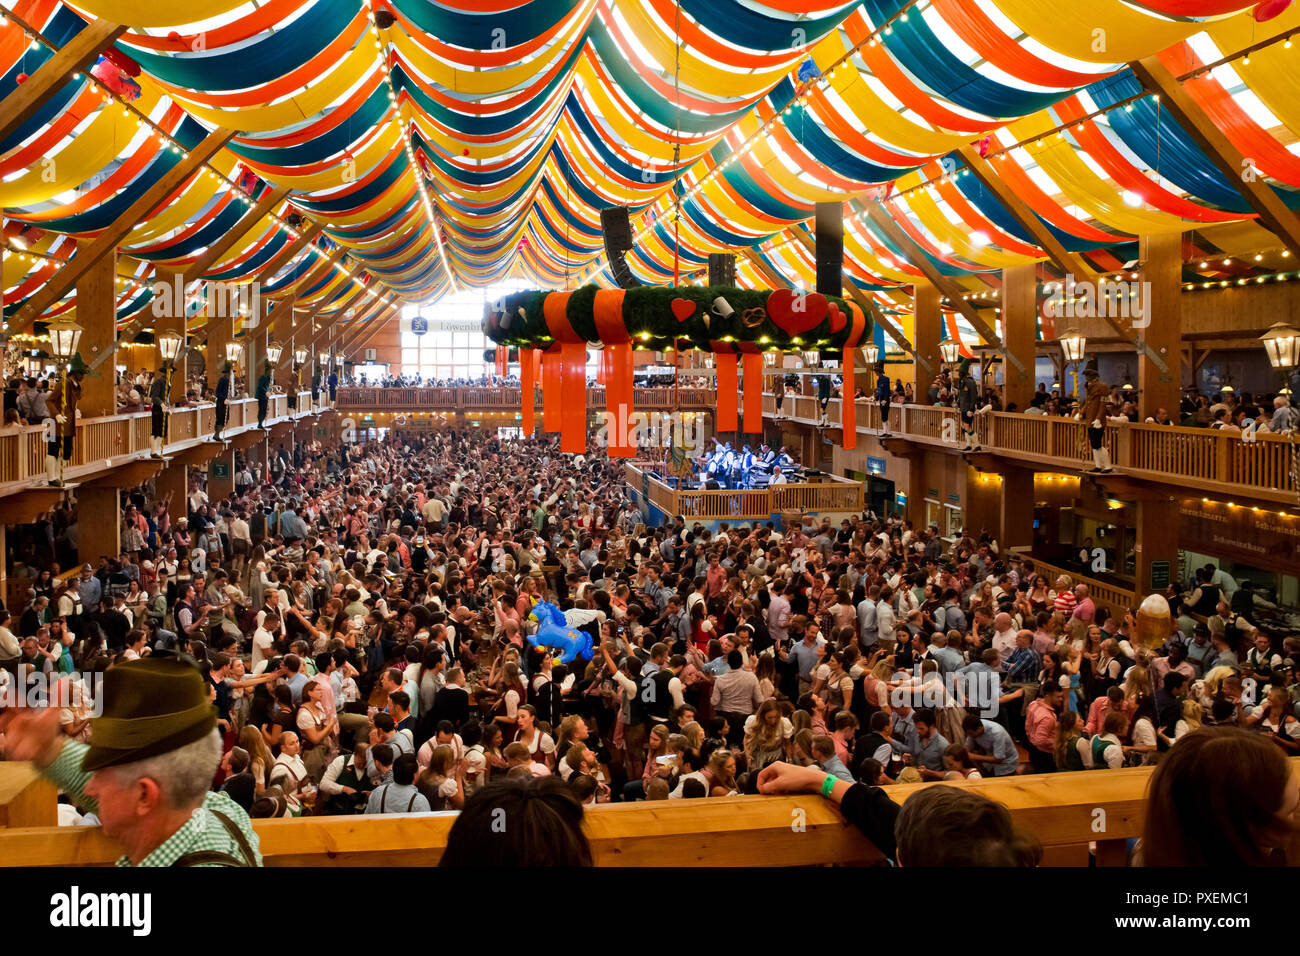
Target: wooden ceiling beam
{"points": [[79, 52], [108, 240]]}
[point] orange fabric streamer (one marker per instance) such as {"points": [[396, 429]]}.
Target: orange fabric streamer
{"points": [[848, 411], [572, 393], [727, 394], [753, 368], [551, 389], [607, 311], [528, 382]]}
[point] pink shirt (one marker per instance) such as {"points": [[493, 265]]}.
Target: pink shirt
{"points": [[1040, 725]]}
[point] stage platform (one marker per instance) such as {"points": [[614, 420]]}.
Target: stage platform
{"points": [[659, 500]]}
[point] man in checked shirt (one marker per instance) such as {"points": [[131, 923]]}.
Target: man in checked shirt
{"points": [[148, 774]]}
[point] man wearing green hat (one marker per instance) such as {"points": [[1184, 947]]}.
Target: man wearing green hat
{"points": [[147, 773]]}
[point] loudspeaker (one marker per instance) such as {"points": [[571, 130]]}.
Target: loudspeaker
{"points": [[830, 248], [617, 233], [722, 268]]}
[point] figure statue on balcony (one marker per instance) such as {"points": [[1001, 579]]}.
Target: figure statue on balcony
{"points": [[884, 392], [62, 403], [158, 396], [223, 396], [263, 395], [1094, 416], [968, 400]]}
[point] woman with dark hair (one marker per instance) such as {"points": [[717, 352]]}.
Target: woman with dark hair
{"points": [[1224, 798], [545, 826]]}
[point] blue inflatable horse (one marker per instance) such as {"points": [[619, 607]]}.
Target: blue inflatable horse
{"points": [[554, 633]]}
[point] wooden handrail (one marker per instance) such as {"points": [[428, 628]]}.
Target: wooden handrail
{"points": [[833, 495], [1064, 811], [106, 441], [412, 398]]}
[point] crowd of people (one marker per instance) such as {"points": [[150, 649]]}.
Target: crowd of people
{"points": [[363, 619]]}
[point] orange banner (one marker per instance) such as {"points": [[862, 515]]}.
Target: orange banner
{"points": [[753, 369], [618, 402], [848, 411], [551, 398], [573, 390], [528, 384], [617, 363], [727, 394]]}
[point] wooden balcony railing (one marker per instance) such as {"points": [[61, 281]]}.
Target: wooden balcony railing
{"points": [[1114, 598], [814, 497], [1061, 810], [104, 442], [470, 399], [1219, 461]]}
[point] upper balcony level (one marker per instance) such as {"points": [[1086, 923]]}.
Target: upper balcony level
{"points": [[1259, 467], [473, 399], [114, 446]]}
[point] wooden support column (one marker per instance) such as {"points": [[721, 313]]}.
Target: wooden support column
{"points": [[1157, 542], [100, 523], [1016, 524], [220, 331], [174, 479], [1162, 267], [172, 321], [927, 321], [221, 469], [97, 316], [1019, 332]]}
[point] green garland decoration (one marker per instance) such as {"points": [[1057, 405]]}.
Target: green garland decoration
{"points": [[518, 321]]}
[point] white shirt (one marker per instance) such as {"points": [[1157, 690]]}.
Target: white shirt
{"points": [[263, 642], [1004, 642]]}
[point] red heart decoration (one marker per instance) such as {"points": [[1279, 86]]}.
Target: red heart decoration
{"points": [[683, 309], [838, 319], [1269, 9], [793, 315]]}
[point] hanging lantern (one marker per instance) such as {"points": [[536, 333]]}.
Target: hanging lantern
{"points": [[64, 337], [1282, 344], [811, 358], [1073, 343], [769, 358], [300, 356], [233, 351], [338, 360], [273, 352], [324, 359], [871, 353], [169, 346]]}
